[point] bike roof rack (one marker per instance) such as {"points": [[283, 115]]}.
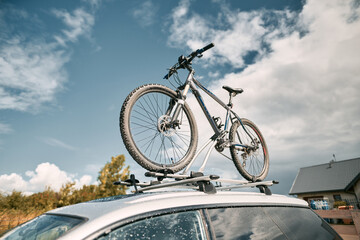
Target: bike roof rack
{"points": [[196, 180]]}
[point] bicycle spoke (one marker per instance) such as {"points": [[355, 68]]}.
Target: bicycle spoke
{"points": [[142, 132], [151, 106], [146, 111], [174, 149], [151, 127], [166, 155], [177, 145], [141, 119], [182, 135], [154, 136], [183, 139], [146, 137], [254, 159], [158, 105], [148, 143]]}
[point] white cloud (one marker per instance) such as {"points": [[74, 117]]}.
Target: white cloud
{"points": [[32, 69], [58, 143], [234, 32], [12, 182], [84, 180], [93, 168], [214, 74], [5, 128], [303, 94], [31, 73], [79, 23], [145, 13], [45, 175], [95, 4]]}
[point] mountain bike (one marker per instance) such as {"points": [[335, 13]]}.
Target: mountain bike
{"points": [[159, 129]]}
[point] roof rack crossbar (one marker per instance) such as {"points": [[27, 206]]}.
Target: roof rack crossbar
{"points": [[263, 186], [196, 180]]}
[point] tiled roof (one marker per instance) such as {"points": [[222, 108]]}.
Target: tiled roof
{"points": [[335, 176]]}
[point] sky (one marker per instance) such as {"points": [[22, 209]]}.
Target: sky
{"points": [[67, 66]]}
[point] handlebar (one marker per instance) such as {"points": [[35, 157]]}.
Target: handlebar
{"points": [[207, 47], [186, 61]]}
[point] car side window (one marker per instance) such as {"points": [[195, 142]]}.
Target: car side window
{"points": [[182, 225], [243, 223], [269, 223], [300, 223]]}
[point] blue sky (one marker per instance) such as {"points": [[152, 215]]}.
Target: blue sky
{"points": [[67, 66]]}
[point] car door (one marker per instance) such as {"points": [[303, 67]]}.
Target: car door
{"points": [[160, 226]]}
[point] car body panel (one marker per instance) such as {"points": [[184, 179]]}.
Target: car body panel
{"points": [[105, 212]]}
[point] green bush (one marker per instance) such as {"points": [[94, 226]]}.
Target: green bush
{"points": [[339, 203]]}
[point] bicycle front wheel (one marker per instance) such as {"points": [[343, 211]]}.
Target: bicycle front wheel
{"points": [[248, 150], [149, 133]]}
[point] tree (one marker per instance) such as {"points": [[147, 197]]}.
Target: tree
{"points": [[69, 195], [111, 172], [15, 200], [44, 201], [114, 170]]}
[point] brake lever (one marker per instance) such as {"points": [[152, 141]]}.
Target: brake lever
{"points": [[172, 70]]}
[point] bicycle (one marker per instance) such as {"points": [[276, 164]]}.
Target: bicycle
{"points": [[160, 132]]}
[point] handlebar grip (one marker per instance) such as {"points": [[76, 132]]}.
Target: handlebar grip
{"points": [[201, 50], [183, 60], [207, 47]]}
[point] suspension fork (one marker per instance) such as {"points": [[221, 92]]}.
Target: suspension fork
{"points": [[180, 99]]}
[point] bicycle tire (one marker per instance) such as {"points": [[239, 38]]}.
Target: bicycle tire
{"points": [[152, 147], [253, 166]]}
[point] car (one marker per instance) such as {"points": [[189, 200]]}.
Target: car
{"points": [[180, 214]]}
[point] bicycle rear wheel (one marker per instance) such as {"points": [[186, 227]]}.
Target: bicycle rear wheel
{"points": [[148, 133], [248, 150]]}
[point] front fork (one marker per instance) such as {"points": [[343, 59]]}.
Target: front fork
{"points": [[179, 101], [171, 114]]}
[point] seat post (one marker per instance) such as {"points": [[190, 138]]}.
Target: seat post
{"points": [[230, 100]]}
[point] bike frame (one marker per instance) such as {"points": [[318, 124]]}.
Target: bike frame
{"points": [[192, 84]]}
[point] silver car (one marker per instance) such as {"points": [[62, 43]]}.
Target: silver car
{"points": [[180, 215]]}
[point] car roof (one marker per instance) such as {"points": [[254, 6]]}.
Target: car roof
{"points": [[106, 211]]}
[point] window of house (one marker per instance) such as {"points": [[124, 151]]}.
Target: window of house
{"points": [[315, 198], [337, 197]]}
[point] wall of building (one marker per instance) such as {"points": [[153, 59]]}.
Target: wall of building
{"points": [[328, 196], [357, 189]]}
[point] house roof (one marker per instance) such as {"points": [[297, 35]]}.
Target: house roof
{"points": [[333, 176]]}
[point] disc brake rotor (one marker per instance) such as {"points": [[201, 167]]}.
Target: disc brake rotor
{"points": [[164, 126]]}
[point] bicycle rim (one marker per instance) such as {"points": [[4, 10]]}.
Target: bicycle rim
{"points": [[158, 143], [253, 165]]}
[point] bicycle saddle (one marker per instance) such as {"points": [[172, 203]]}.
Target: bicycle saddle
{"points": [[233, 91]]}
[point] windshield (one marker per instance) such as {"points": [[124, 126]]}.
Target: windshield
{"points": [[44, 227]]}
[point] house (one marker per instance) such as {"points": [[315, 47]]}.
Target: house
{"points": [[333, 181]]}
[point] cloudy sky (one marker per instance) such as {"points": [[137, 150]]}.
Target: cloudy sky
{"points": [[67, 66]]}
